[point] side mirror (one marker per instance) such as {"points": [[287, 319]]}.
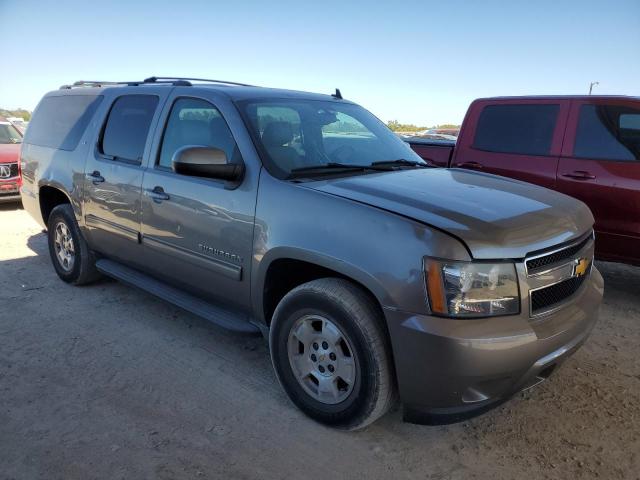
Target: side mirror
{"points": [[209, 162]]}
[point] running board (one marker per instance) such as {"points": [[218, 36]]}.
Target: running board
{"points": [[220, 316]]}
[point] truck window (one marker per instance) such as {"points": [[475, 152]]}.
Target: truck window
{"points": [[610, 132], [196, 122], [127, 127], [521, 129], [283, 122], [59, 121]]}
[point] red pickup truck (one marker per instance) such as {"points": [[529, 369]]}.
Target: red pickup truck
{"points": [[585, 146]]}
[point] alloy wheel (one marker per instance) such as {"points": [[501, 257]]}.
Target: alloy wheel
{"points": [[64, 247], [322, 359]]}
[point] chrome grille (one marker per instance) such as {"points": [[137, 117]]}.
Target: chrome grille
{"points": [[547, 298], [556, 275], [13, 170], [538, 263]]}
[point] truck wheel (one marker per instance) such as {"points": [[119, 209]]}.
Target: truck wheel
{"points": [[73, 261], [331, 353]]}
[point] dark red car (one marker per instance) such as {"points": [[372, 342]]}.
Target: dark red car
{"points": [[585, 146], [10, 181]]}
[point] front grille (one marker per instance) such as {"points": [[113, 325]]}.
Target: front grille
{"points": [[538, 263], [14, 170], [545, 298]]}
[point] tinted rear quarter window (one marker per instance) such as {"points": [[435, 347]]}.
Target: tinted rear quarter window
{"points": [[520, 129], [127, 127], [60, 121], [609, 132]]}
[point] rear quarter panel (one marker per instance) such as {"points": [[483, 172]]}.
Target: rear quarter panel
{"points": [[60, 169]]}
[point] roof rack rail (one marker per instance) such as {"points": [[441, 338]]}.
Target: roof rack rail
{"points": [[100, 83], [88, 83], [176, 81], [187, 79]]}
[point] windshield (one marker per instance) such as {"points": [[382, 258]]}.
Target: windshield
{"points": [[9, 134], [294, 135]]}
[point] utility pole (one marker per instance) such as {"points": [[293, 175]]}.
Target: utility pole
{"points": [[591, 85]]}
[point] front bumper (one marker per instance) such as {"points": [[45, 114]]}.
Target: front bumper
{"points": [[10, 189], [449, 369], [9, 192]]}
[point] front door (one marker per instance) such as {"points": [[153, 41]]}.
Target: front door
{"points": [[113, 177], [519, 139], [197, 232], [601, 166]]}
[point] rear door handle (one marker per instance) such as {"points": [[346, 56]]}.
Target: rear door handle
{"points": [[579, 175], [95, 177], [157, 194], [472, 165]]}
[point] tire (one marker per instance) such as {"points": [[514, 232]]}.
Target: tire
{"points": [[65, 240], [326, 324]]}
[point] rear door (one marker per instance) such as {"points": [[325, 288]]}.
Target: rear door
{"points": [[601, 166], [197, 233], [515, 138], [113, 174]]}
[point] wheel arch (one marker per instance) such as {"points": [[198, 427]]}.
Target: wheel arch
{"points": [[284, 268], [49, 197]]}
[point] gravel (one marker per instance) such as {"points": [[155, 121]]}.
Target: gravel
{"points": [[107, 382]]}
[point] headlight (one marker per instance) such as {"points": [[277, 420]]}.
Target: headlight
{"points": [[472, 289]]}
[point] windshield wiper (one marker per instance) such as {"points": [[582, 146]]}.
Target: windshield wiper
{"points": [[401, 162], [333, 167], [330, 167]]}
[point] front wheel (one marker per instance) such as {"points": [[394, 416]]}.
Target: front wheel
{"points": [[331, 353]]}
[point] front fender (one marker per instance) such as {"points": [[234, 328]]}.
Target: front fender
{"points": [[295, 253]]}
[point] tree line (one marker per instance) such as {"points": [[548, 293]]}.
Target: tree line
{"points": [[396, 126], [19, 112]]}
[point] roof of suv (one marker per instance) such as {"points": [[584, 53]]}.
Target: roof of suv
{"points": [[559, 97], [235, 91]]}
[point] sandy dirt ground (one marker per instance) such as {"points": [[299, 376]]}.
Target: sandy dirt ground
{"points": [[108, 382]]}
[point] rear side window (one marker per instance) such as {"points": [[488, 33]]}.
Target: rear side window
{"points": [[609, 132], [59, 122], [127, 127], [521, 129]]}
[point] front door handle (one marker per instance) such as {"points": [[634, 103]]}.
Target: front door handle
{"points": [[471, 165], [579, 175], [95, 177], [157, 194]]}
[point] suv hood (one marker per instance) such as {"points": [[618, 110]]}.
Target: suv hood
{"points": [[495, 217], [9, 152]]}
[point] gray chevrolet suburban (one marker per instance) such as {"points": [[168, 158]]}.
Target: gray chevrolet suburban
{"points": [[303, 217]]}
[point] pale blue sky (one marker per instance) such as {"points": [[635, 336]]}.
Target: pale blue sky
{"points": [[414, 61]]}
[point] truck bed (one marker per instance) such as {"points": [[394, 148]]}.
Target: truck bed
{"points": [[436, 152]]}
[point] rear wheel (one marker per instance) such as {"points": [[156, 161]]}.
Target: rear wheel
{"points": [[72, 260], [331, 354]]}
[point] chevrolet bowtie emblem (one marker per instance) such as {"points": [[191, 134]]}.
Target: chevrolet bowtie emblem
{"points": [[581, 267]]}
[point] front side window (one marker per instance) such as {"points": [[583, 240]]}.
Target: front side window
{"points": [[9, 134], [520, 129], [126, 130], [59, 121], [310, 134], [196, 122], [609, 132]]}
